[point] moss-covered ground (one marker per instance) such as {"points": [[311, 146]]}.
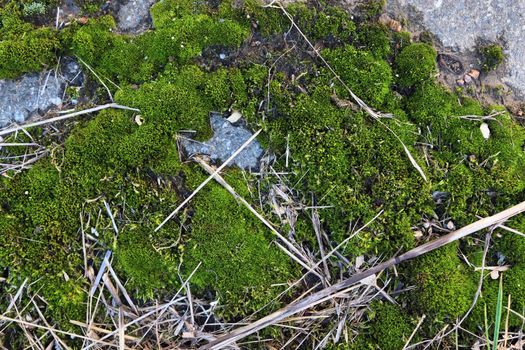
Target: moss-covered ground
{"points": [[339, 157]]}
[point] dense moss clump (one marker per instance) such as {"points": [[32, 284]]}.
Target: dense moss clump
{"points": [[477, 172], [358, 170], [374, 38], [390, 327], [331, 24], [238, 262], [137, 59], [511, 245], [37, 219], [371, 9], [491, 56], [173, 102], [444, 287], [415, 64], [485, 309], [366, 76], [24, 48]]}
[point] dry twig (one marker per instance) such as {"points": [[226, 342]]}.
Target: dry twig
{"points": [[341, 287]]}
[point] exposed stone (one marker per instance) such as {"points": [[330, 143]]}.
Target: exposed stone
{"points": [[36, 93], [134, 16], [467, 78], [460, 24], [227, 139]]}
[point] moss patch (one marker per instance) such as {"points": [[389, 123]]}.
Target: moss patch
{"points": [[23, 47], [238, 260], [445, 290], [415, 65], [491, 56], [338, 157]]}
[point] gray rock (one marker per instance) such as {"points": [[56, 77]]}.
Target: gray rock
{"points": [[36, 93], [134, 16], [226, 140], [459, 24]]}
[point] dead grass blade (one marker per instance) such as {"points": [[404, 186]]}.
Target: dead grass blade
{"points": [[64, 117], [34, 325], [331, 292], [375, 115], [219, 169], [303, 261]]}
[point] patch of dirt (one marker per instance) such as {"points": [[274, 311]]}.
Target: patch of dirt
{"points": [[462, 70]]}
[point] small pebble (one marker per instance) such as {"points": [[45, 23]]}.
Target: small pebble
{"points": [[460, 82], [222, 56], [467, 78], [485, 131], [474, 73]]}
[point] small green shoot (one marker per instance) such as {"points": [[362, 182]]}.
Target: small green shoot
{"points": [[499, 307]]}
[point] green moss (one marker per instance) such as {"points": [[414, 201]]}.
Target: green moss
{"points": [[445, 289], [399, 41], [358, 171], [226, 88], [374, 38], [38, 220], [173, 102], [91, 41], [513, 286], [430, 104], [338, 157], [165, 12], [136, 59], [147, 270], [331, 24], [511, 245], [390, 327], [491, 57], [368, 77], [371, 9], [23, 48], [186, 37], [267, 21], [416, 64], [476, 172], [239, 261], [34, 9]]}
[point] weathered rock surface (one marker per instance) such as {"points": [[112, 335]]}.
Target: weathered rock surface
{"points": [[226, 140], [36, 93], [133, 16], [459, 24]]}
